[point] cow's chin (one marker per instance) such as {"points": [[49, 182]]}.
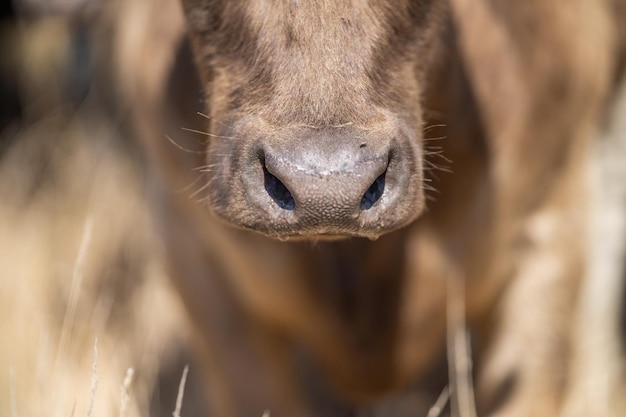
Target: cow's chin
{"points": [[389, 214], [311, 235]]}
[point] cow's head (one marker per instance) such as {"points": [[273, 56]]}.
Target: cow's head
{"points": [[315, 118]]}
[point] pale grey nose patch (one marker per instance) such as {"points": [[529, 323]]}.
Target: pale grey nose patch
{"points": [[348, 190], [284, 199]]}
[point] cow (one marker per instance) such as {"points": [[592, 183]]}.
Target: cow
{"points": [[360, 184]]}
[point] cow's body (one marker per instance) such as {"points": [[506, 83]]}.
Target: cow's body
{"points": [[517, 89]]}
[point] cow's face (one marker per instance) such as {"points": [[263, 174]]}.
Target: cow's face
{"points": [[315, 119]]}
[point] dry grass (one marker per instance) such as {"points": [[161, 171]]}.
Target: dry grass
{"points": [[461, 384], [78, 259], [181, 392], [53, 310]]}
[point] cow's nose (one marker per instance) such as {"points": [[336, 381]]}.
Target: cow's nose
{"points": [[326, 191], [335, 182]]}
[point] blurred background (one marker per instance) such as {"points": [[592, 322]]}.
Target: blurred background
{"points": [[88, 322], [78, 260]]}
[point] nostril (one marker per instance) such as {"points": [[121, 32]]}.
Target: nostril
{"points": [[373, 193], [277, 190]]}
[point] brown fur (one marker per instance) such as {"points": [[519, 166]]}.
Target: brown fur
{"points": [[295, 326]]}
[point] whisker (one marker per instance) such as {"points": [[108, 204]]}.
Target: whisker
{"points": [[430, 127], [186, 129], [208, 184], [206, 116], [442, 156], [431, 150], [202, 168], [428, 187], [208, 168], [437, 151], [199, 190], [182, 148], [191, 185], [434, 139], [432, 166], [430, 193]]}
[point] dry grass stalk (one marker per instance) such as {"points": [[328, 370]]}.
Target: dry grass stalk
{"points": [[462, 402], [181, 391], [94, 378], [12, 392], [77, 280], [125, 391], [442, 400]]}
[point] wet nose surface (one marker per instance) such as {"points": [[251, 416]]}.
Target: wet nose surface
{"points": [[317, 183], [339, 182], [332, 191]]}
